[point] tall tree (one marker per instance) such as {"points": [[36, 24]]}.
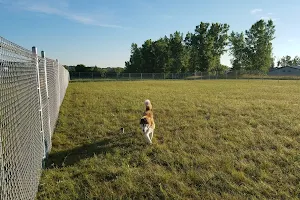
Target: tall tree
{"points": [[148, 57], [259, 45], [161, 54], [219, 36], [176, 49], [237, 50], [191, 50], [202, 44], [210, 42], [135, 62]]}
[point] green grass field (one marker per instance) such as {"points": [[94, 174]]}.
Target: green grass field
{"points": [[213, 140]]}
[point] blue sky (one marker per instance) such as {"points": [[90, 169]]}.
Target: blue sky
{"points": [[100, 32]]}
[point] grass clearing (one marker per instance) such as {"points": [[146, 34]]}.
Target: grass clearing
{"points": [[221, 139]]}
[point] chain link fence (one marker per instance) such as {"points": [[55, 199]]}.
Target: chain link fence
{"points": [[32, 89], [293, 73]]}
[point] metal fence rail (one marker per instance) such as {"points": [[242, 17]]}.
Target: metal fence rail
{"points": [[32, 89], [234, 74]]}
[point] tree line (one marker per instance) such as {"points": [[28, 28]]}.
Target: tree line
{"points": [[83, 68], [288, 61], [202, 49]]}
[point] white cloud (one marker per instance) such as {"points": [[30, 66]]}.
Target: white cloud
{"points": [[255, 11], [61, 10], [291, 40]]}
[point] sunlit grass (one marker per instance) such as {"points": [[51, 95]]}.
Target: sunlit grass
{"points": [[213, 140]]}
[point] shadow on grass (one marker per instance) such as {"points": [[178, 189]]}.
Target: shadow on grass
{"points": [[126, 142]]}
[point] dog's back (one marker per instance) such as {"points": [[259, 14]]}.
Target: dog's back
{"points": [[149, 113]]}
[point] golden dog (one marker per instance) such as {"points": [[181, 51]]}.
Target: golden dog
{"points": [[147, 122]]}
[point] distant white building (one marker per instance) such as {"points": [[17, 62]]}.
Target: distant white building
{"points": [[285, 71]]}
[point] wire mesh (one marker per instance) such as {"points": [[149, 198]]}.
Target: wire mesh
{"points": [[288, 73], [53, 91], [27, 117]]}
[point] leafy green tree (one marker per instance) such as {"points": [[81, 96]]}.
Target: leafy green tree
{"points": [[259, 45], [237, 50], [176, 48], [135, 62], [288, 61], [296, 61], [202, 50], [219, 36], [148, 57], [222, 68], [118, 69], [161, 54], [209, 42], [81, 68]]}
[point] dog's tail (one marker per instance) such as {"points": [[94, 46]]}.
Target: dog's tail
{"points": [[148, 105]]}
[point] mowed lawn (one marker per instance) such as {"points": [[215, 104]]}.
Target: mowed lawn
{"points": [[221, 139]]}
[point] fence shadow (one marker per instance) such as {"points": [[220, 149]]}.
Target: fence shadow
{"points": [[127, 142]]}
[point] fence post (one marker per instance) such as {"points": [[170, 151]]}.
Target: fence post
{"points": [[129, 76], [47, 92], [58, 82], [164, 76], [79, 75], [35, 55], [141, 75], [152, 75], [45, 70]]}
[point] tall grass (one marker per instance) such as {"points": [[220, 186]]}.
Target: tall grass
{"points": [[213, 140]]}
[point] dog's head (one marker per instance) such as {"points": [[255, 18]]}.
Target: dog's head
{"points": [[144, 124]]}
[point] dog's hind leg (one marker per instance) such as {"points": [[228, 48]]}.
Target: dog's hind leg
{"points": [[151, 135], [148, 138]]}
